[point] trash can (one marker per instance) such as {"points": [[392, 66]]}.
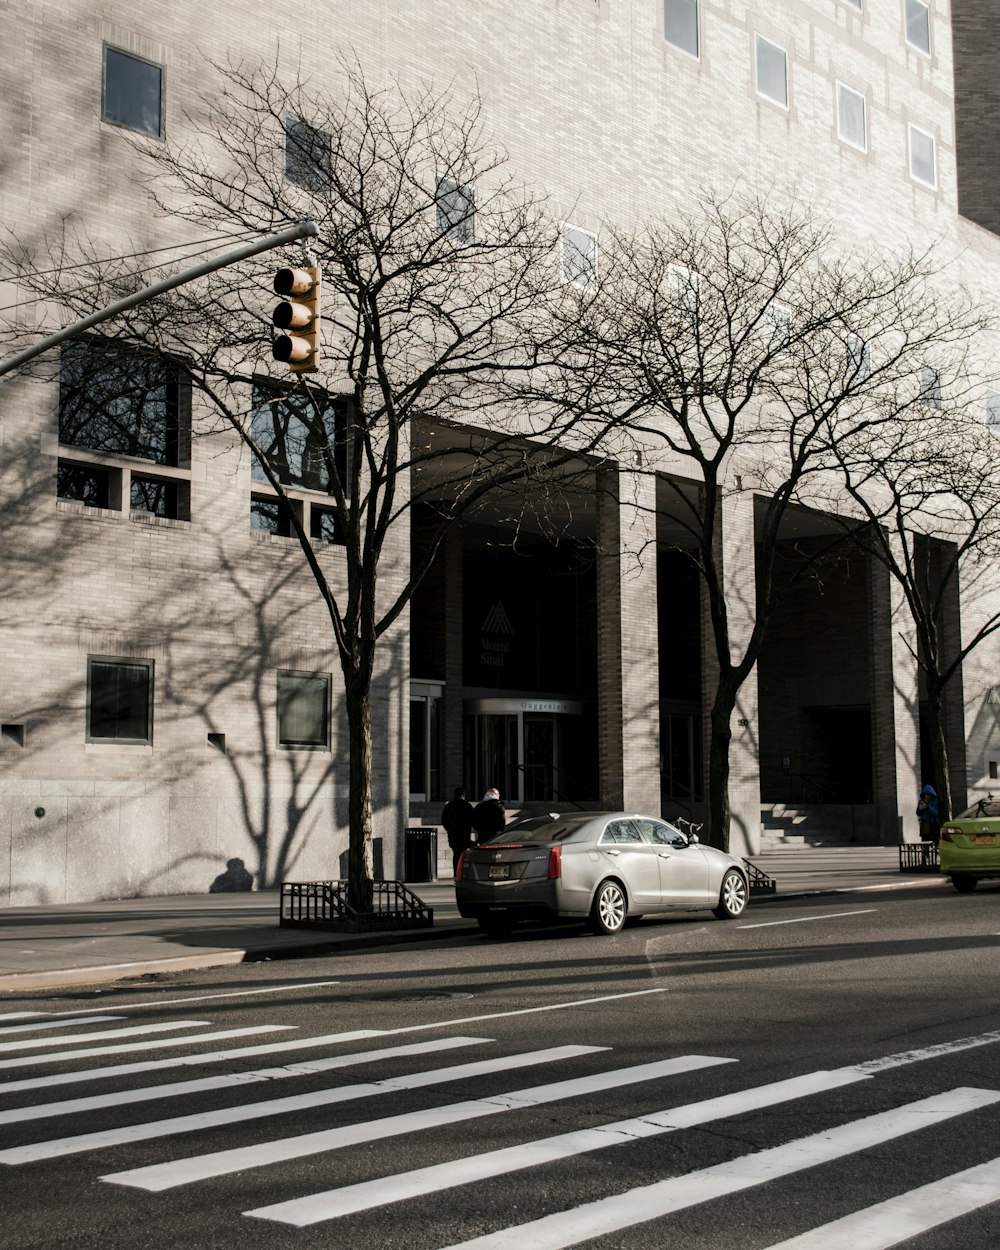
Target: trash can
{"points": [[419, 854]]}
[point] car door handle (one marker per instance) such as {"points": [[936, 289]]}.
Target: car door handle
{"points": [[664, 854], [612, 852]]}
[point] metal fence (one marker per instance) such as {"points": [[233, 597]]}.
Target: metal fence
{"points": [[324, 905]]}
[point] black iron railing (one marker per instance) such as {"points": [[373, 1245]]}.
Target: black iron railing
{"points": [[760, 883], [919, 857], [324, 905]]}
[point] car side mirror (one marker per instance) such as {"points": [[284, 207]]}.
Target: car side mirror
{"points": [[693, 839]]}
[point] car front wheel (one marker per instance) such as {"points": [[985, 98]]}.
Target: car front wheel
{"points": [[608, 911], [963, 884], [732, 896]]}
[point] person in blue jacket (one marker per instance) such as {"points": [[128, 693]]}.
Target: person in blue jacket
{"points": [[929, 815]]}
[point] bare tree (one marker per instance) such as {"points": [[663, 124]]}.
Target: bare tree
{"points": [[440, 282], [929, 502], [741, 349]]}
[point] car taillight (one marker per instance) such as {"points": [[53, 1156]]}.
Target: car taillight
{"points": [[460, 867], [948, 833], [555, 863]]}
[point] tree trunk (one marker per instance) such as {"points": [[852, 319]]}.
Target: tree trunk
{"points": [[939, 749], [719, 813], [357, 698]]}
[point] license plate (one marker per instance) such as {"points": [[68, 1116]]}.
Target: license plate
{"points": [[986, 839], [499, 870]]}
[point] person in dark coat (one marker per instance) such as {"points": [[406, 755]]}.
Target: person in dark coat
{"points": [[489, 816], [929, 815], [457, 820]]}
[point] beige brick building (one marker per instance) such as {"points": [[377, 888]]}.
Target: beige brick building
{"points": [[155, 581]]}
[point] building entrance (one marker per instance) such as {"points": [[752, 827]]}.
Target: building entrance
{"points": [[522, 746]]}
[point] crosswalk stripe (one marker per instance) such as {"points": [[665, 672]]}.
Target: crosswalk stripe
{"points": [[74, 1106], [104, 1035], [182, 1061], [349, 1199], [907, 1215], [676, 1193], [199, 1167], [281, 1106], [7, 1029], [30, 1061]]}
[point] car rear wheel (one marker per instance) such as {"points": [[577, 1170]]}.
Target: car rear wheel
{"points": [[609, 908], [496, 926], [732, 896], [964, 884]]}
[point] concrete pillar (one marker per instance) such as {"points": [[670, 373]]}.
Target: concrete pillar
{"points": [[627, 642], [452, 745]]}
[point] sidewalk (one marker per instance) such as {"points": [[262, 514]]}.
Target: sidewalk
{"points": [[45, 947]]}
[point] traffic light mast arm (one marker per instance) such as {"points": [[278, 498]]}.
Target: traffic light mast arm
{"points": [[304, 230]]}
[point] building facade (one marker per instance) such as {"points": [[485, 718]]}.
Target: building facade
{"points": [[169, 697]]}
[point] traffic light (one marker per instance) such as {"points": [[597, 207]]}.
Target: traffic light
{"points": [[298, 314]]}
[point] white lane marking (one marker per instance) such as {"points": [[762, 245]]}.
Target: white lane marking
{"points": [[349, 1199], [27, 1061], [149, 1093], [25, 1015], [904, 1057], [199, 1167], [7, 1029], [527, 1011], [676, 1193], [830, 915], [104, 1035], [908, 1215], [282, 1106], [183, 1061], [357, 1034], [201, 998]]}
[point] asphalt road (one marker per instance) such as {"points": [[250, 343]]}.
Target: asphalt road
{"points": [[822, 1073]]}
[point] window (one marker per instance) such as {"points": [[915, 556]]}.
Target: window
{"points": [[923, 164], [304, 710], [855, 4], [930, 387], [852, 124], [772, 72], [323, 525], [680, 24], [119, 700], [456, 211], [993, 409], [270, 516], [133, 92], [86, 484], [121, 402], [579, 256], [303, 440], [918, 25], [685, 288], [859, 361], [307, 155]]}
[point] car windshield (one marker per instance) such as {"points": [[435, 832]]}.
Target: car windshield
{"points": [[984, 807], [551, 828]]}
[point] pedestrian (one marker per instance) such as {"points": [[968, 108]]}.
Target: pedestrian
{"points": [[489, 817], [457, 820], [929, 815]]}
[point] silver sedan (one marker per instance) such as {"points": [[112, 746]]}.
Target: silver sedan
{"points": [[601, 867]]}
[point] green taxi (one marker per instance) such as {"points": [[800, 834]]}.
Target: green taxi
{"points": [[970, 845]]}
